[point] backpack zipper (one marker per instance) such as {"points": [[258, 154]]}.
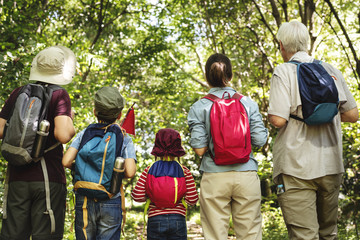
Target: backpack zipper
{"points": [[26, 123], [107, 140], [176, 189]]}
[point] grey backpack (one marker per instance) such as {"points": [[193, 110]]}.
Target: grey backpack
{"points": [[31, 107], [20, 136]]}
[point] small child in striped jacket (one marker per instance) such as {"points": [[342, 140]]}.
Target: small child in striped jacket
{"points": [[165, 221]]}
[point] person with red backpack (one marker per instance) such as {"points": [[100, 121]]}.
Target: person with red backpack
{"points": [[224, 125], [168, 187]]}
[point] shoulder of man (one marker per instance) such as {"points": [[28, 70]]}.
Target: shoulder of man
{"points": [[60, 93], [285, 69], [333, 71], [13, 95]]}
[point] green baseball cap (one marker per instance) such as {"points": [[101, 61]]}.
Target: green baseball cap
{"points": [[108, 103]]}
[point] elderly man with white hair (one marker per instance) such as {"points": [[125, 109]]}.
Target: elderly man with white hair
{"points": [[307, 158]]}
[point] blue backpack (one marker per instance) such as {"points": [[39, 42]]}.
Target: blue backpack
{"points": [[94, 163], [318, 92]]}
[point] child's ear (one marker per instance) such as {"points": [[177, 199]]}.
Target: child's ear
{"points": [[94, 112]]}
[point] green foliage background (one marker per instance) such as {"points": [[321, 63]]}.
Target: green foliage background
{"points": [[155, 50]]}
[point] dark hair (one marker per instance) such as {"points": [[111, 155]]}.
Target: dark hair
{"points": [[108, 121], [218, 70]]}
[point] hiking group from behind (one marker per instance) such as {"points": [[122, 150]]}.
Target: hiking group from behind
{"points": [[225, 128]]}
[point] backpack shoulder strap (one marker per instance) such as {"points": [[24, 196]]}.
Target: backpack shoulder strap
{"points": [[214, 98], [54, 87], [211, 97], [294, 62], [49, 89], [183, 199], [299, 63], [99, 130], [237, 96], [182, 167], [296, 117], [90, 132]]}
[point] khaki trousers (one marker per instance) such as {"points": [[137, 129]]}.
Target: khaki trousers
{"points": [[230, 193], [310, 207]]}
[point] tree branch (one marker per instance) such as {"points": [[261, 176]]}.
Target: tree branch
{"points": [[212, 35], [310, 9], [261, 48], [285, 6], [275, 13], [192, 77], [101, 27], [351, 46], [264, 21], [199, 63], [346, 54], [301, 12], [87, 71]]}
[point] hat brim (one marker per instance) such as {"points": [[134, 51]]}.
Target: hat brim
{"points": [[63, 78]]}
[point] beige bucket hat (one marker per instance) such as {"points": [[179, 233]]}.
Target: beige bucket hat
{"points": [[54, 65]]}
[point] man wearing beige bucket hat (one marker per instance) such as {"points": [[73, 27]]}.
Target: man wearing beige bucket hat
{"points": [[36, 201]]}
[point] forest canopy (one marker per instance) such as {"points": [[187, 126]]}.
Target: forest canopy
{"points": [[154, 51]]}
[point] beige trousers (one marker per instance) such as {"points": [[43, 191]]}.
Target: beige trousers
{"points": [[230, 193], [310, 207]]}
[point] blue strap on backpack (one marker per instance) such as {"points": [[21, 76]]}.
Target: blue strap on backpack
{"points": [[318, 92]]}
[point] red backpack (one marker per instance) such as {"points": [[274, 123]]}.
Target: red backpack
{"points": [[165, 183], [230, 129]]}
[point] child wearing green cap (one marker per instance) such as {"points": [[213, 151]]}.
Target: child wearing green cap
{"points": [[101, 218]]}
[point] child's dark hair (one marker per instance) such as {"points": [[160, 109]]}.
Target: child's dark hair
{"points": [[218, 70], [108, 121]]}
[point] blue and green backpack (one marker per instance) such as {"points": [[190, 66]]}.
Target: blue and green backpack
{"points": [[94, 163], [318, 92]]}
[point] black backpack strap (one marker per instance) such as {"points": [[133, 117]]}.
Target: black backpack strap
{"points": [[49, 89], [296, 117]]}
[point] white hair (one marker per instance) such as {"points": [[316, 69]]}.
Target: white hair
{"points": [[294, 36]]}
